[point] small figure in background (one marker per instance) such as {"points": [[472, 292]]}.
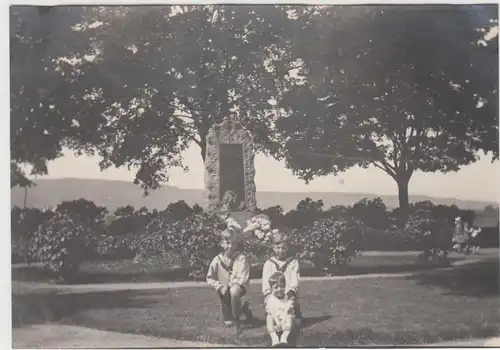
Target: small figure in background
{"points": [[475, 231]]}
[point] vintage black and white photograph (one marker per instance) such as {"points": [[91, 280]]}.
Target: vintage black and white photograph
{"points": [[194, 175]]}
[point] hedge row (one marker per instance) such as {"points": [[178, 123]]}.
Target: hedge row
{"points": [[78, 231]]}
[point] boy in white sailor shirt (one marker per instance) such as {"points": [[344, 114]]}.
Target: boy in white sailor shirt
{"points": [[229, 275], [288, 265]]}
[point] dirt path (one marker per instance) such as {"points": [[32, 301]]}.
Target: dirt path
{"points": [[63, 336], [23, 287]]}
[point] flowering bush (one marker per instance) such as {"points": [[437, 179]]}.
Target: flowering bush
{"points": [[61, 243], [329, 242], [432, 234], [260, 227], [111, 246], [258, 235], [24, 222], [194, 239], [230, 222]]}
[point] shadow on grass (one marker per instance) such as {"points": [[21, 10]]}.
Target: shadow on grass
{"points": [[311, 321], [40, 274], [475, 280], [119, 271], [385, 269], [168, 274], [32, 309], [368, 336]]}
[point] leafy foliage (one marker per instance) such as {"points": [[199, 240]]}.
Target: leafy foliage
{"points": [[393, 87], [275, 214], [491, 210], [373, 213], [180, 211], [129, 234], [84, 211], [194, 239], [75, 232], [390, 239], [61, 244], [42, 114], [67, 236], [127, 220], [137, 85], [398, 87], [24, 223], [329, 242], [306, 212], [431, 232]]}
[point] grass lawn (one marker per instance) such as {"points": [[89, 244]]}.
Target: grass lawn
{"points": [[159, 271], [436, 305]]}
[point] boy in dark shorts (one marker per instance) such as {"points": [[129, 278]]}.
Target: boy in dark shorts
{"points": [[229, 275]]}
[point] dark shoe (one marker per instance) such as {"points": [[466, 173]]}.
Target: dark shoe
{"points": [[245, 309]]}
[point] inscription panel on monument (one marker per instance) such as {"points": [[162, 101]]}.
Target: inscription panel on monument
{"points": [[232, 170]]}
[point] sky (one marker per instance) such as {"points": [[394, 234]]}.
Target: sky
{"points": [[478, 181]]}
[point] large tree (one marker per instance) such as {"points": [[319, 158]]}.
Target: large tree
{"points": [[37, 128], [137, 85], [403, 88]]}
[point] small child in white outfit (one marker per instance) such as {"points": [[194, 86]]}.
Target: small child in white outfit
{"points": [[280, 311]]}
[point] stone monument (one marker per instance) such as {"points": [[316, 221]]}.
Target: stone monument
{"points": [[230, 171]]}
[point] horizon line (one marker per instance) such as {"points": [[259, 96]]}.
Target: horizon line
{"points": [[494, 201]]}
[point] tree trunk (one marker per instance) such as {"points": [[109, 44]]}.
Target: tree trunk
{"points": [[203, 148], [25, 196], [404, 205]]}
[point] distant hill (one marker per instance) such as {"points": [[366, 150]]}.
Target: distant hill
{"points": [[113, 194]]}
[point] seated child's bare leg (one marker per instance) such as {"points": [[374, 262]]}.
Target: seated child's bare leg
{"points": [[236, 306], [270, 325], [287, 327]]}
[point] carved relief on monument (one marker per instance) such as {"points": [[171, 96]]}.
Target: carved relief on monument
{"points": [[229, 169]]}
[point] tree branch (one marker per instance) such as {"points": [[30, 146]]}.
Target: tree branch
{"points": [[386, 167], [418, 147], [182, 116], [198, 142], [189, 107], [396, 146]]}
